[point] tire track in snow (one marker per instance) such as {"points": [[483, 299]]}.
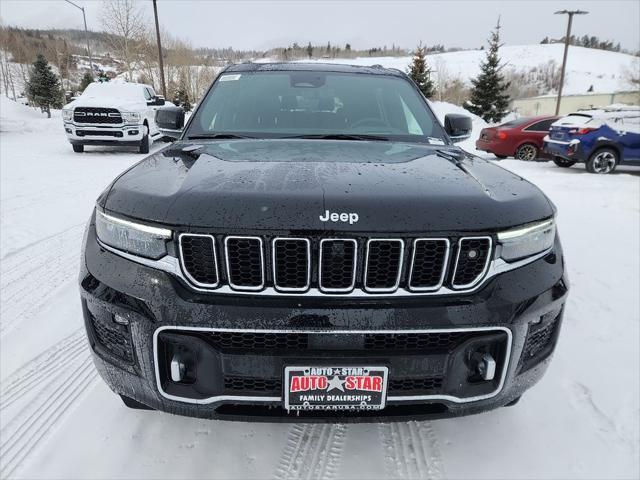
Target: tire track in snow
{"points": [[312, 451], [411, 450], [34, 275], [40, 415], [30, 375]]}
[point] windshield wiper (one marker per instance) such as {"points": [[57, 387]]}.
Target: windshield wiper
{"points": [[221, 136], [340, 136]]}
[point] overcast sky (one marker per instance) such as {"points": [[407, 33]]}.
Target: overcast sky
{"points": [[264, 24]]}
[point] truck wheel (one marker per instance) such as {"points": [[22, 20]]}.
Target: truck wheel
{"points": [[563, 162], [78, 148], [604, 160], [527, 152], [145, 143], [134, 404], [513, 402]]}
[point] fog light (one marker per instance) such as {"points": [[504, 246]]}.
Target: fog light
{"points": [[487, 367], [177, 369], [133, 132]]}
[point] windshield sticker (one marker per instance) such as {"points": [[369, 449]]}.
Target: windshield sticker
{"points": [[230, 78], [435, 141]]}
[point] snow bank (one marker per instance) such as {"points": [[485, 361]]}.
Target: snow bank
{"points": [[586, 67]]}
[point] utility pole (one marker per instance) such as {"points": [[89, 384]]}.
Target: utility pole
{"points": [[164, 86], [567, 37], [86, 34]]}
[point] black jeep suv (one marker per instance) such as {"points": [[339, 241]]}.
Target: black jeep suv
{"points": [[314, 246]]}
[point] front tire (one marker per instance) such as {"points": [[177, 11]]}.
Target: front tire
{"points": [[78, 148], [145, 143], [604, 160], [134, 404], [563, 162], [527, 152]]}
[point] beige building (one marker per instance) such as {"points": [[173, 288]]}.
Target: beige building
{"points": [[546, 104]]}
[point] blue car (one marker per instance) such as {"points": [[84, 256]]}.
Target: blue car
{"points": [[603, 139]]}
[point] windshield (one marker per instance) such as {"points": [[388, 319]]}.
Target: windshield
{"points": [[316, 104]]}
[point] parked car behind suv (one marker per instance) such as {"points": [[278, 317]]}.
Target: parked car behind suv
{"points": [[315, 246], [520, 138], [113, 113], [602, 139]]}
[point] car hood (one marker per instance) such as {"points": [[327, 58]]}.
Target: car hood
{"points": [[288, 185], [122, 104]]}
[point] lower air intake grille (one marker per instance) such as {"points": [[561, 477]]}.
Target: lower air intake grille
{"points": [[245, 262], [383, 265], [337, 265], [472, 262], [291, 264], [251, 342], [429, 263], [270, 386], [114, 338], [419, 341], [199, 259], [416, 385]]}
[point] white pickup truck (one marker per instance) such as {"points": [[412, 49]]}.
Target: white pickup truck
{"points": [[113, 113]]}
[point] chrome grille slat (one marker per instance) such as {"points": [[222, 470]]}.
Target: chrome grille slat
{"points": [[196, 265], [335, 267], [326, 265], [393, 269], [469, 271], [419, 284], [279, 263], [241, 276]]}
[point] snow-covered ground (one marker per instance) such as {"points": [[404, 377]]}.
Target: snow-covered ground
{"points": [[58, 420], [606, 71]]}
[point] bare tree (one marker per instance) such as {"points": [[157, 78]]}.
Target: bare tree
{"points": [[125, 22]]}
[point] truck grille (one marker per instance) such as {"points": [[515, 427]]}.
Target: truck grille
{"points": [[97, 115], [333, 265]]}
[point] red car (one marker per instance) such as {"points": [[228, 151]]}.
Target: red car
{"points": [[520, 138]]}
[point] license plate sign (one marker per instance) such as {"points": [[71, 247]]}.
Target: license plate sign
{"points": [[335, 388]]}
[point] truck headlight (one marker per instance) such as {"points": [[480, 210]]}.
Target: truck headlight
{"points": [[67, 114], [131, 117], [527, 240], [136, 238]]}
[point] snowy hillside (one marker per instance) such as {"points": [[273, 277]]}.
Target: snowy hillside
{"points": [[59, 420], [586, 67]]}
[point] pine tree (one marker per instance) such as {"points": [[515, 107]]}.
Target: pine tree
{"points": [[489, 99], [181, 97], [43, 86], [420, 73], [309, 50], [87, 79]]}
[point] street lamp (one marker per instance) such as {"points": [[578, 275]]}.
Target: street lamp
{"points": [[86, 34], [571, 13]]}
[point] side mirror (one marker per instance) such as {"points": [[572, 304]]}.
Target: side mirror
{"points": [[157, 101], [458, 127], [170, 121]]}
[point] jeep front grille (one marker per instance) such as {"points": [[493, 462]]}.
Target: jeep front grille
{"points": [[333, 265], [97, 115]]}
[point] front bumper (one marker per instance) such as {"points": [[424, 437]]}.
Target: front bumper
{"points": [[96, 134], [160, 313]]}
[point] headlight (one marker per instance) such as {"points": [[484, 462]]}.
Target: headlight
{"points": [[527, 240], [67, 114], [131, 117], [131, 237]]}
